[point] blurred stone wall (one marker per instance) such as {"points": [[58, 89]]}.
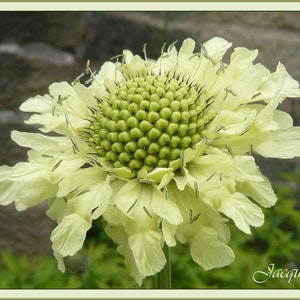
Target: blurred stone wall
{"points": [[38, 48]]}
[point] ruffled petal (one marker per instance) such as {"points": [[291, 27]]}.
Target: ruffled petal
{"points": [[261, 192], [25, 172], [128, 196], [242, 58], [60, 261], [184, 54], [147, 251], [242, 211], [283, 119], [49, 122], [106, 78], [289, 87], [212, 218], [134, 200], [40, 142], [134, 66], [68, 237], [168, 61], [165, 208], [157, 175], [264, 120], [216, 48], [91, 203], [281, 144], [38, 104], [81, 179], [36, 192], [88, 190], [120, 237], [168, 231], [27, 184], [58, 209], [64, 165], [233, 123], [208, 251], [9, 192]]}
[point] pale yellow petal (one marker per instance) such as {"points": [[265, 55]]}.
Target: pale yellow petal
{"points": [[58, 209], [185, 52], [120, 237], [261, 192], [112, 215], [157, 175], [242, 58], [168, 231], [208, 251], [165, 208], [242, 211], [9, 192], [60, 261], [81, 178], [40, 142], [50, 123], [106, 78], [168, 61], [147, 251], [39, 104], [289, 86], [135, 67], [128, 196], [281, 144], [25, 172], [216, 47], [88, 191], [68, 237], [134, 200], [36, 192]]}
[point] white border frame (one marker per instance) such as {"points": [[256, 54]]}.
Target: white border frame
{"points": [[151, 294], [150, 6]]}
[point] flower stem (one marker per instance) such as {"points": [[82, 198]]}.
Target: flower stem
{"points": [[83, 280], [163, 278]]}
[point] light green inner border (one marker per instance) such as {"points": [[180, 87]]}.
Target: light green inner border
{"points": [[178, 1]]}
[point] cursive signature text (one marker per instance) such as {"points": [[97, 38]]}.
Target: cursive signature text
{"points": [[272, 272]]}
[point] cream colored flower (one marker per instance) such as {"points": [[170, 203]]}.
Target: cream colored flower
{"points": [[161, 150]]}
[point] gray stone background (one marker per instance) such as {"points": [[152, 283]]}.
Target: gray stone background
{"points": [[38, 48]]}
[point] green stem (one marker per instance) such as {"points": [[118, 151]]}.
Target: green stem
{"points": [[83, 280], [163, 278]]}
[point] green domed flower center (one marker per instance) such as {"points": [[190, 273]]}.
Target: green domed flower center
{"points": [[147, 121]]}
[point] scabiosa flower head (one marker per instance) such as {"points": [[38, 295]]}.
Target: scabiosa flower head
{"points": [[161, 150]]}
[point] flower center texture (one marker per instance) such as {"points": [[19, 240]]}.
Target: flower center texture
{"points": [[146, 121]]}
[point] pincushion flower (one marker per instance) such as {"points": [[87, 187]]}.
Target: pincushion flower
{"points": [[161, 150]]}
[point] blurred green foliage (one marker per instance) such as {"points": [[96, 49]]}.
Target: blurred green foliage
{"points": [[100, 266]]}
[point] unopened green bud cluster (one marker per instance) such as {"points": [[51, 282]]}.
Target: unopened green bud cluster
{"points": [[147, 121]]}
